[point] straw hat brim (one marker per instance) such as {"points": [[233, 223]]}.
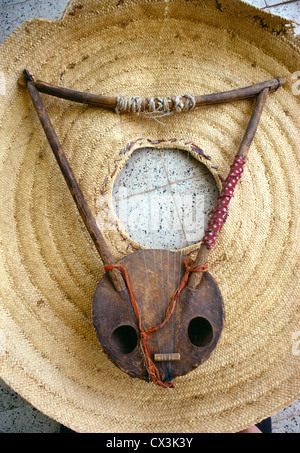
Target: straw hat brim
{"points": [[49, 267]]}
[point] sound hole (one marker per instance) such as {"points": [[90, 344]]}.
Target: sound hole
{"points": [[124, 339], [200, 332]]}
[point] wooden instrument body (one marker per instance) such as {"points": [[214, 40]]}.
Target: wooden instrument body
{"points": [[192, 331]]}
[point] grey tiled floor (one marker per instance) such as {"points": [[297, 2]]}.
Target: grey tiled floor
{"points": [[16, 415]]}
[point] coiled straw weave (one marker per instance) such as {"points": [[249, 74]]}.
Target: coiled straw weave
{"points": [[49, 268]]}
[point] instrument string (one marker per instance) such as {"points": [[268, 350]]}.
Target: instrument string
{"points": [[188, 158], [185, 175], [174, 322], [159, 340], [168, 330], [166, 339], [155, 309], [160, 288]]}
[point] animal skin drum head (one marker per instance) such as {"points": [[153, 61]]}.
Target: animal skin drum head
{"points": [[50, 267]]}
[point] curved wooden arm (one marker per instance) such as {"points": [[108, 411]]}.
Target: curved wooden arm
{"points": [[204, 251], [109, 102], [95, 233]]}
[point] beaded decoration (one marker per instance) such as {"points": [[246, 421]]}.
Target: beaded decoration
{"points": [[220, 212]]}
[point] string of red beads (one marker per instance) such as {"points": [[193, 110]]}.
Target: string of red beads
{"points": [[220, 212]]}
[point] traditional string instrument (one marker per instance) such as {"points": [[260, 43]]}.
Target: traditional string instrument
{"points": [[191, 317]]}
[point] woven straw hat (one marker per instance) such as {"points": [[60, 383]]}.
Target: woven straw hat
{"points": [[49, 267]]}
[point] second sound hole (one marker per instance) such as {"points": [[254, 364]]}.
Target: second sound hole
{"points": [[200, 332]]}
